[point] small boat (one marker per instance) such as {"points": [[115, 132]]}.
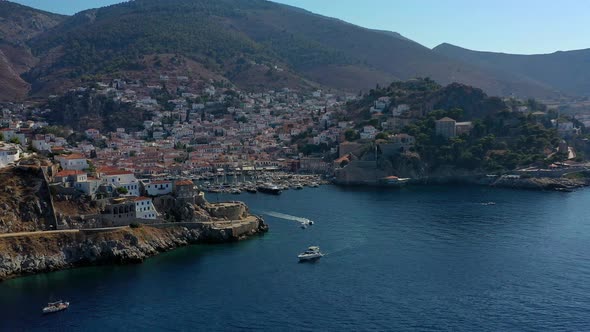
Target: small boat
{"points": [[56, 307], [251, 190], [312, 253], [310, 222]]}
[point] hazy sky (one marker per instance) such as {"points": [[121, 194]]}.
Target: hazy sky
{"points": [[512, 26]]}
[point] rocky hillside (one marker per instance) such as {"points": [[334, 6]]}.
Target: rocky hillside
{"points": [[563, 71], [18, 24], [24, 200]]}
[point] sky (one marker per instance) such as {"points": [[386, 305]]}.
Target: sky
{"points": [[510, 26]]}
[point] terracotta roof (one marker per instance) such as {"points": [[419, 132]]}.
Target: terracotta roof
{"points": [[184, 183], [161, 182], [137, 199], [74, 156], [446, 119], [118, 172], [69, 173]]}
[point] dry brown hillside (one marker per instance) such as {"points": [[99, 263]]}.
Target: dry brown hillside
{"points": [[24, 200]]}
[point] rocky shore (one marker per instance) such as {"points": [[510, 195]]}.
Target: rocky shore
{"points": [[523, 183], [46, 252]]}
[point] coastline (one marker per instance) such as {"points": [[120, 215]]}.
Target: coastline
{"points": [[521, 183], [22, 255]]}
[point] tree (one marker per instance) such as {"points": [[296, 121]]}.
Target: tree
{"points": [[382, 136], [122, 191], [351, 135]]}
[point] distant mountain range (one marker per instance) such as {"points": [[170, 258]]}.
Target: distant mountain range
{"points": [[255, 44], [568, 72]]}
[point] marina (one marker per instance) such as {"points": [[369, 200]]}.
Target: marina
{"points": [[273, 183]]}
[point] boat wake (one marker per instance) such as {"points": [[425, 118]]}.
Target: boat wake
{"points": [[302, 221]]}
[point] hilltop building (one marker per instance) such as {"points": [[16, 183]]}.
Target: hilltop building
{"points": [[446, 127]]}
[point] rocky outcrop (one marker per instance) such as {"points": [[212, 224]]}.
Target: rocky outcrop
{"points": [[559, 184], [23, 255]]}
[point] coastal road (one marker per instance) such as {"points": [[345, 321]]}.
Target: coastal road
{"points": [[65, 231]]}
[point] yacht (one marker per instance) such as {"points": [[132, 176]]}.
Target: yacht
{"points": [[312, 253], [394, 181], [269, 189], [56, 307]]}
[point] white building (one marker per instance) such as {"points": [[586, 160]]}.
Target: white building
{"points": [[157, 188], [369, 132], [121, 179], [144, 208], [73, 161], [9, 154]]}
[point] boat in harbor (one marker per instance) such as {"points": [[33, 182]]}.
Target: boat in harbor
{"points": [[312, 253], [56, 307], [394, 181], [269, 189]]}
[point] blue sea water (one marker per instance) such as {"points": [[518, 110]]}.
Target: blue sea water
{"points": [[419, 258]]}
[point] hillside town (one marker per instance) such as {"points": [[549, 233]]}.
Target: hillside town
{"points": [[192, 140]]}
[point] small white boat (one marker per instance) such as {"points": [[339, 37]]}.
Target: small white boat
{"points": [[312, 253], [56, 307]]}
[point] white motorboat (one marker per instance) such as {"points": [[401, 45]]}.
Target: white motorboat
{"points": [[312, 253], [56, 307]]}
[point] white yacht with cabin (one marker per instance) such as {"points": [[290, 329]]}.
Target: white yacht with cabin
{"points": [[312, 253]]}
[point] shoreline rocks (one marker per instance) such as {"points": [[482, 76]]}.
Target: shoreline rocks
{"points": [[528, 183], [41, 253]]}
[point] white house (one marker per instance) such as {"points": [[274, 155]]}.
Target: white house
{"points": [[144, 208], [157, 188], [92, 133], [121, 179], [9, 154], [41, 145], [73, 161], [369, 132]]}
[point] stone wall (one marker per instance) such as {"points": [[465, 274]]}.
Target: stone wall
{"points": [[227, 211]]}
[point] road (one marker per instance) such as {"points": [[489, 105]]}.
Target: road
{"points": [[65, 231]]}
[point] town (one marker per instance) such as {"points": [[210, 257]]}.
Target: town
{"points": [[211, 137]]}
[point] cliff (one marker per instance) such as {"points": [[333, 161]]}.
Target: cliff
{"points": [[25, 204], [52, 251]]}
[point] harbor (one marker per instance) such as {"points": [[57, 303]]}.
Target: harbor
{"points": [[273, 183]]}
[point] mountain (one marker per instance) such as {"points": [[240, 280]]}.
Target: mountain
{"points": [[245, 42], [568, 72], [18, 24], [255, 44]]}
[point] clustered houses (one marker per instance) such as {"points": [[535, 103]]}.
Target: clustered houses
{"points": [[209, 126]]}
